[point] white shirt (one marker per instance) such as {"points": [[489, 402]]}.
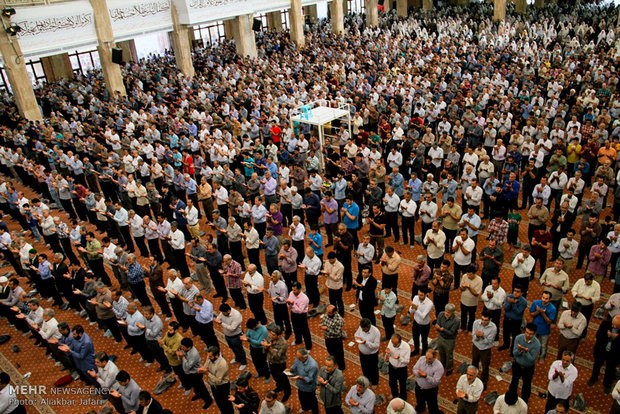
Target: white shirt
{"points": [[430, 208], [177, 240], [256, 280], [475, 195], [460, 258], [313, 266], [108, 253], [501, 407], [408, 208], [136, 223], [422, 315], [523, 269], [399, 357], [251, 239], [372, 338], [192, 216], [497, 301], [577, 325], [473, 390], [8, 399], [561, 389], [49, 329], [106, 376], [298, 232]]}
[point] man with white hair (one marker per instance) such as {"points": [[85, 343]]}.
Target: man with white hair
{"points": [[399, 406], [468, 390]]}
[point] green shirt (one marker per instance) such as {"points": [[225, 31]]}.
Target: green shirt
{"points": [[517, 218]]}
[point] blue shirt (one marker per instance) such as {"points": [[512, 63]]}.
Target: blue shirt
{"points": [[474, 221], [340, 188], [135, 274], [416, 188], [318, 239], [44, 270], [398, 183], [205, 314], [353, 210], [526, 358], [308, 371], [489, 186], [515, 311], [83, 353], [544, 328], [256, 336]]}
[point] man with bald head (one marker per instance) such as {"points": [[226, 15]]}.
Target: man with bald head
{"points": [[606, 352], [399, 406], [254, 284]]}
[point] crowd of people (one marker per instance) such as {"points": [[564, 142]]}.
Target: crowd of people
{"points": [[191, 212]]}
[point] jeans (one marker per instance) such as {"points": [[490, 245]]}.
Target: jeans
{"points": [[234, 342]]}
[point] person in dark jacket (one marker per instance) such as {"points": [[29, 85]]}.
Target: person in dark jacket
{"points": [[245, 399], [606, 352], [148, 404], [366, 285]]}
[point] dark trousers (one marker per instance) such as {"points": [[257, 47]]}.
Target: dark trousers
{"points": [[155, 249], [512, 328], [301, 329], [220, 395], [370, 367], [610, 362], [125, 232], [281, 317], [398, 382], [335, 298], [458, 271], [158, 353], [138, 343], [112, 325], [388, 326], [257, 304], [234, 342], [311, 283], [206, 332], [144, 251], [552, 402], [468, 315], [282, 382], [392, 281], [391, 219], [237, 297], [525, 373], [259, 358], [367, 310], [163, 305], [484, 358], [181, 262], [466, 407], [420, 332], [335, 348], [450, 236], [254, 257], [408, 224], [441, 300], [427, 397], [496, 315], [586, 310], [197, 383], [308, 401], [139, 291], [218, 283]]}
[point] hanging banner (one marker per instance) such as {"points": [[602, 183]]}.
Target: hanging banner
{"points": [[195, 12], [131, 18], [54, 29]]}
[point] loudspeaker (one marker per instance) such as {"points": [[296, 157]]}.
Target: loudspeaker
{"points": [[117, 55], [257, 25]]}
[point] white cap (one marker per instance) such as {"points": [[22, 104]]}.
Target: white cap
{"points": [[3, 279]]}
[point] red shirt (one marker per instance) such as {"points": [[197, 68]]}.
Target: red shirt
{"points": [[539, 251], [188, 166], [275, 134]]}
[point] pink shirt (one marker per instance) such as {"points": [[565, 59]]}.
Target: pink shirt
{"points": [[300, 303]]}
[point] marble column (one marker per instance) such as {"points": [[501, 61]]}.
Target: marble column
{"points": [[181, 45], [103, 26], [521, 6], [499, 9], [21, 86], [372, 13], [57, 67], [337, 17], [539, 3], [274, 21], [401, 8], [244, 36], [312, 12], [129, 50], [229, 29], [296, 23], [427, 4]]}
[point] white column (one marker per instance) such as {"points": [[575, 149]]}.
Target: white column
{"points": [[296, 22]]}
